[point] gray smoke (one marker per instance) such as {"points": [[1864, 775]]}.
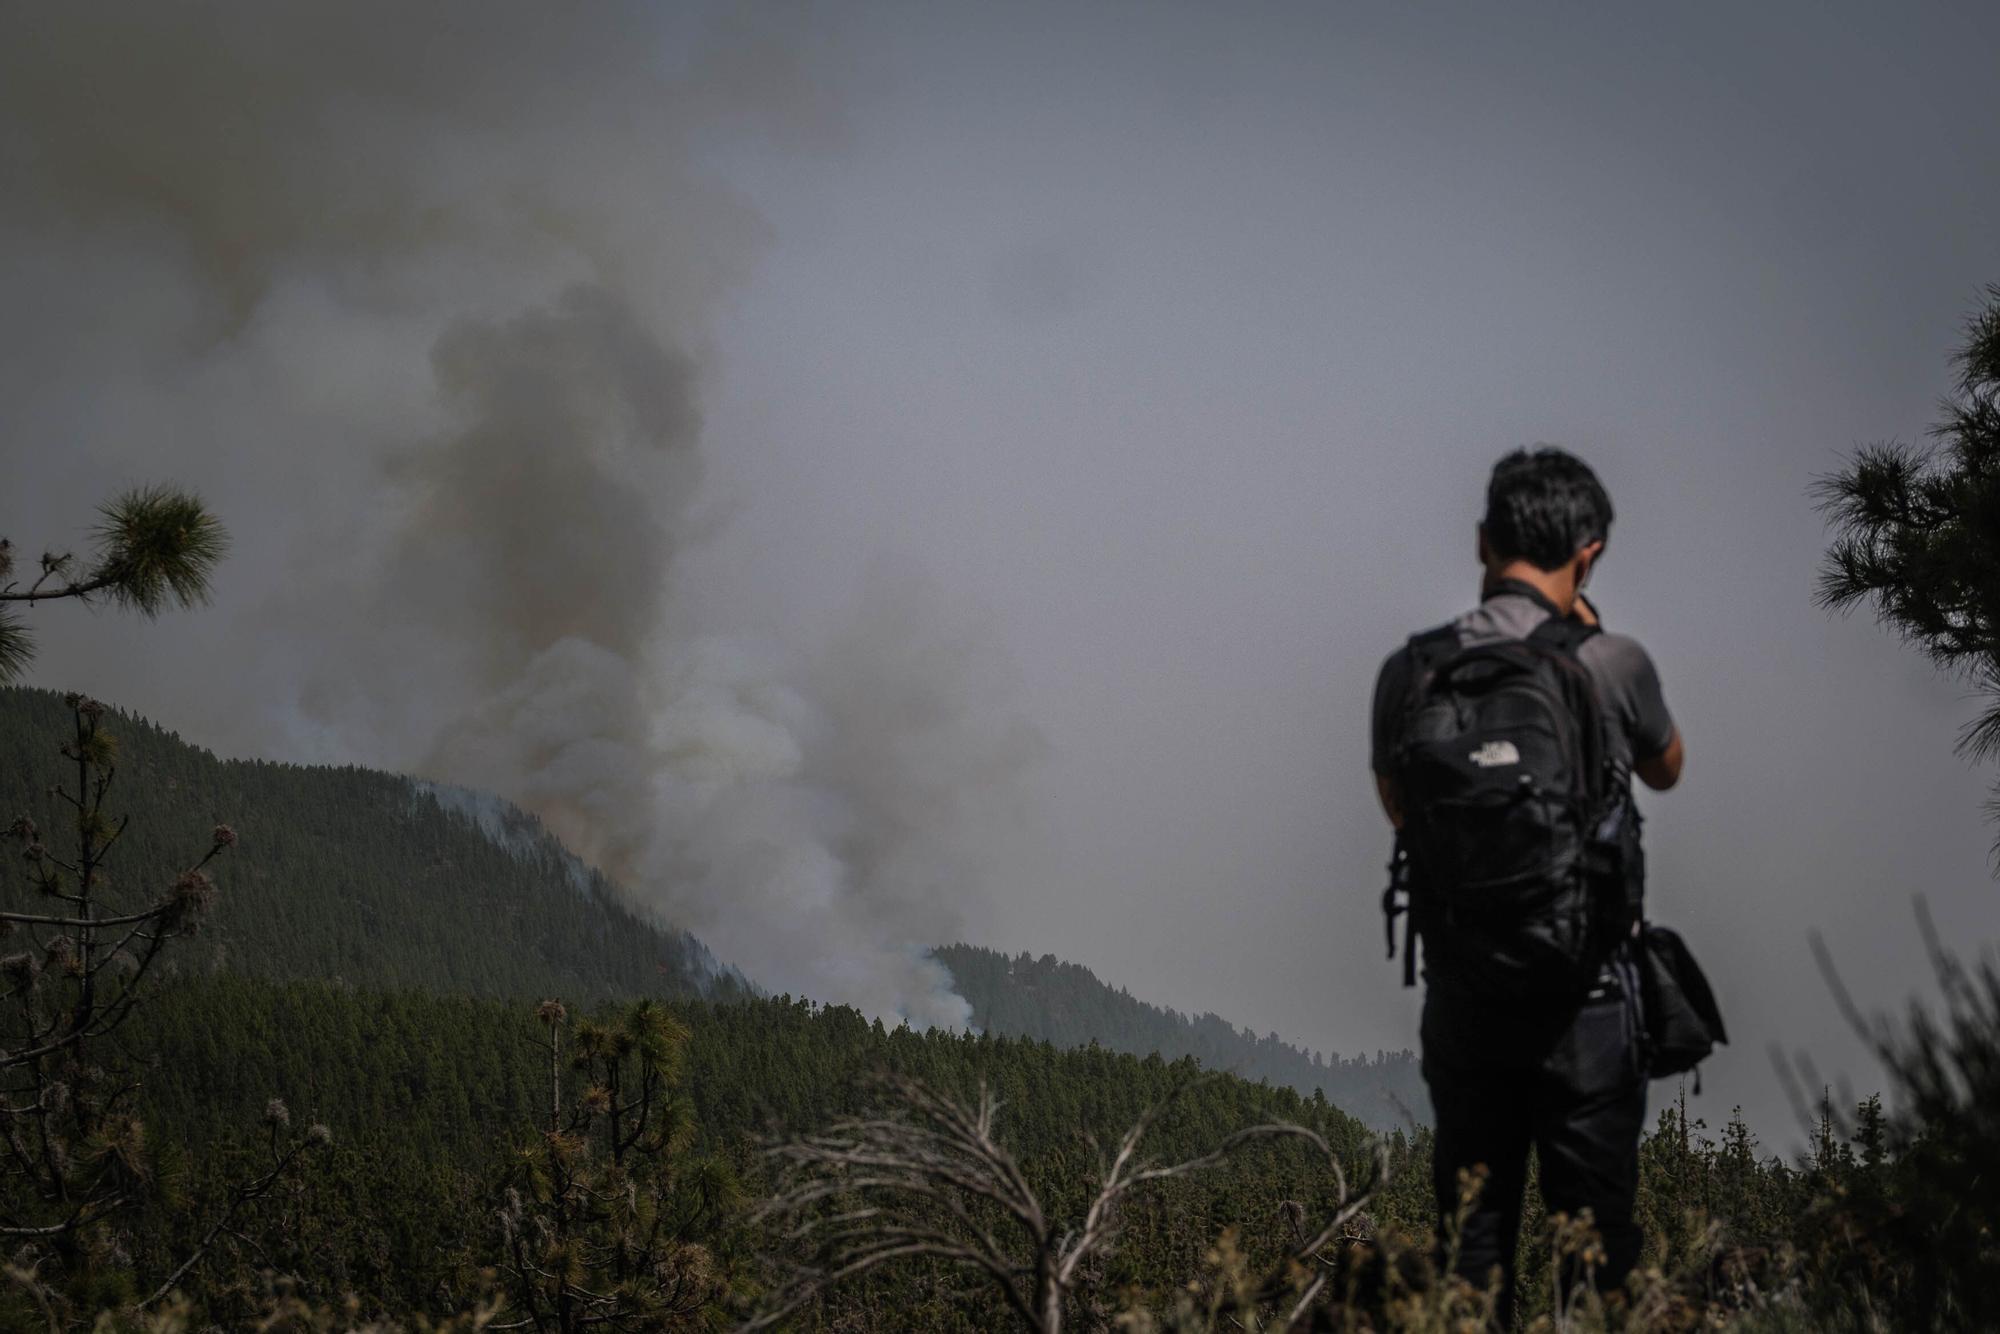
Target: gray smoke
{"points": [[416, 297]]}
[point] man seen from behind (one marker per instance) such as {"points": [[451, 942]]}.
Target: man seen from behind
{"points": [[1503, 747]]}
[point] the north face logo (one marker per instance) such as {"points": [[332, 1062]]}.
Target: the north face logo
{"points": [[1494, 754]]}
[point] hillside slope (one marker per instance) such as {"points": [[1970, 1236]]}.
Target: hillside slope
{"points": [[354, 876], [1066, 1004], [377, 881]]}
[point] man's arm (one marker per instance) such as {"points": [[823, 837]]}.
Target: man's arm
{"points": [[1663, 770], [1656, 742], [1632, 689]]}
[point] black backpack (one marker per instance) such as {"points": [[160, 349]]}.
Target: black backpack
{"points": [[1518, 860]]}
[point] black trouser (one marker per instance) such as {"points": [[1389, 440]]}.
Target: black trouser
{"points": [[1570, 1085]]}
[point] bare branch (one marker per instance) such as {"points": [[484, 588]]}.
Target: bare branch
{"points": [[923, 1181]]}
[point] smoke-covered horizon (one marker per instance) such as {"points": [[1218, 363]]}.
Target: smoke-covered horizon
{"points": [[998, 447]]}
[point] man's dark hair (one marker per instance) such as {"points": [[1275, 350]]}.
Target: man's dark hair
{"points": [[1543, 505]]}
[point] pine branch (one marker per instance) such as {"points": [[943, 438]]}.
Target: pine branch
{"points": [[157, 547], [1916, 532]]}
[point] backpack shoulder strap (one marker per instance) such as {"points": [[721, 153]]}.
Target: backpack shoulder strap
{"points": [[1430, 648], [1563, 634], [1566, 636]]}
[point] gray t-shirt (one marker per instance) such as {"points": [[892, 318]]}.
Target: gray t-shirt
{"points": [[1627, 683]]}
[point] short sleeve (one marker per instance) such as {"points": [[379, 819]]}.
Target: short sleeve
{"points": [[1633, 684], [1392, 688]]}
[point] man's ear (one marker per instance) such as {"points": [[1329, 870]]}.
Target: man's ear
{"points": [[1485, 552], [1586, 558]]}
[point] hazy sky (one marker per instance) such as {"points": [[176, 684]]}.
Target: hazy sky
{"points": [[1164, 349]]}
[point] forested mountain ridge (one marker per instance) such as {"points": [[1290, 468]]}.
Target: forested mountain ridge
{"points": [[1067, 1005], [354, 876], [378, 881]]}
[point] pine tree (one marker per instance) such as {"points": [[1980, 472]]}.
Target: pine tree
{"points": [[1918, 534], [607, 1217], [1917, 531]]}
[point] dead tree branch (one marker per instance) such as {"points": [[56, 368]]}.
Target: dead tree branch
{"points": [[931, 1180]]}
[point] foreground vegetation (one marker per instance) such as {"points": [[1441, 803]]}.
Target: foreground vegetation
{"points": [[437, 1107]]}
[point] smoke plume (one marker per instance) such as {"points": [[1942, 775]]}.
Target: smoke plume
{"points": [[416, 298]]}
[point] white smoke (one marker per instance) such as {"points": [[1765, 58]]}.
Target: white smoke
{"points": [[416, 297]]}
